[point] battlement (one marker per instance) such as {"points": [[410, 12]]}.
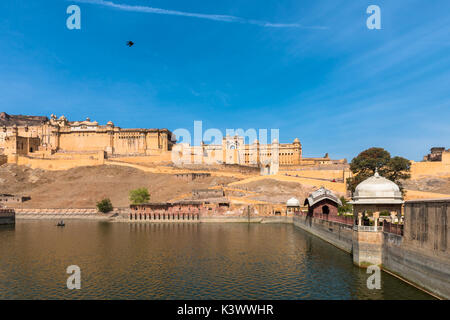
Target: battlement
{"points": [[438, 154], [21, 120]]}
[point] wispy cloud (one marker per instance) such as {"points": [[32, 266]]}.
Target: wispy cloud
{"points": [[215, 17]]}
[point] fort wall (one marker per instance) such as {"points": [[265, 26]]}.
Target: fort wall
{"points": [[83, 141], [438, 168], [157, 157], [319, 174], [60, 162]]}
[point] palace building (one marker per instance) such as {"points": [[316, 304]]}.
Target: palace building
{"points": [[24, 135], [233, 150], [24, 139]]}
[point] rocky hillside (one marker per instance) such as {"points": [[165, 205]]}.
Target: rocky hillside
{"points": [[82, 187], [429, 184]]}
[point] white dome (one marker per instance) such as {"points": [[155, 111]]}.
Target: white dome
{"points": [[293, 202], [377, 189]]}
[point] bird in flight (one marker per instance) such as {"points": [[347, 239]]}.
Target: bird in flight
{"points": [[130, 43]]}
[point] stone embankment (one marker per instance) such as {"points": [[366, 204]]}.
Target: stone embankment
{"points": [[418, 253], [121, 215], [43, 214]]}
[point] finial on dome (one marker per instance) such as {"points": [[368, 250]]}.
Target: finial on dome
{"points": [[377, 175]]}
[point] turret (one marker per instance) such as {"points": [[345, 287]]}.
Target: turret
{"points": [[297, 151]]}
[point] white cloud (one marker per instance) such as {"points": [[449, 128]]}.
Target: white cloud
{"points": [[215, 17]]}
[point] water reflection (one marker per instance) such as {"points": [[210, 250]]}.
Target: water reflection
{"points": [[181, 261]]}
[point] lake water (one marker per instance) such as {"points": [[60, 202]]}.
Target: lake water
{"points": [[181, 261]]}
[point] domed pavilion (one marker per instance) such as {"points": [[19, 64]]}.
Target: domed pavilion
{"points": [[374, 195], [293, 205]]}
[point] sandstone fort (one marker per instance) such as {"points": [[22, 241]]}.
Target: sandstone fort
{"points": [[53, 163], [24, 138]]}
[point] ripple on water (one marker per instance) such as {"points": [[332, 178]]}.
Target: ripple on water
{"points": [[204, 261]]}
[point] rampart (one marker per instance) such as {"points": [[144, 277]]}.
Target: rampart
{"points": [[60, 161], [425, 168]]}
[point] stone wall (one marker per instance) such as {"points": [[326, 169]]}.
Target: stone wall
{"points": [[3, 159], [440, 168], [84, 141], [23, 135], [207, 193], [422, 255], [7, 217], [66, 214], [338, 234], [367, 248], [60, 161], [338, 175], [156, 157], [425, 270]]}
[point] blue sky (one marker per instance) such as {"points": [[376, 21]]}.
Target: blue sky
{"points": [[310, 68]]}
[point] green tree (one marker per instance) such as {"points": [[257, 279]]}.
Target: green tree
{"points": [[397, 169], [345, 208], [105, 206], [367, 162], [139, 196]]}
